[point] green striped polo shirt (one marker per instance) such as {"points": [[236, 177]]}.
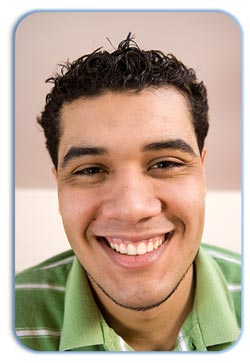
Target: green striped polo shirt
{"points": [[56, 311]]}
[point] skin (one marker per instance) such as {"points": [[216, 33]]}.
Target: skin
{"points": [[129, 168]]}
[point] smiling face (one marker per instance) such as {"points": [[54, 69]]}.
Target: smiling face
{"points": [[131, 192]]}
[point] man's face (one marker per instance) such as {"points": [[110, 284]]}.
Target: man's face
{"points": [[131, 191]]}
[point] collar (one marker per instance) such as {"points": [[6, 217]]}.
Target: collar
{"points": [[81, 325], [84, 327], [212, 321]]}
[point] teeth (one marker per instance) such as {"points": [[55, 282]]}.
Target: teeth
{"points": [[150, 246], [133, 249], [141, 249], [122, 248], [156, 245]]}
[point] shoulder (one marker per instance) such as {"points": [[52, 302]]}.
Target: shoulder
{"points": [[228, 265], [49, 270], [39, 301], [229, 262]]}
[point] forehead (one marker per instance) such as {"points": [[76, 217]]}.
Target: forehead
{"points": [[126, 119]]}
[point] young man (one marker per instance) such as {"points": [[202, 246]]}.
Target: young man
{"points": [[125, 131]]}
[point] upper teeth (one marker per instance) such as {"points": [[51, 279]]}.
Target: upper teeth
{"points": [[135, 248]]}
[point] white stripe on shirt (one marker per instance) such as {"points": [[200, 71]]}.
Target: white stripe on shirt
{"points": [[223, 257], [233, 287], [182, 342], [122, 344], [40, 286], [65, 261], [38, 332]]}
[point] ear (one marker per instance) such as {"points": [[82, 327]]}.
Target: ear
{"points": [[203, 157], [203, 161], [54, 172]]}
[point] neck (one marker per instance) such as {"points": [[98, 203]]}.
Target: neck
{"points": [[155, 329]]}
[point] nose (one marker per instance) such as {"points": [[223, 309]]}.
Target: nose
{"points": [[131, 199]]}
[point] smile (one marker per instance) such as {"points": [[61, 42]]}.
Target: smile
{"points": [[137, 248]]}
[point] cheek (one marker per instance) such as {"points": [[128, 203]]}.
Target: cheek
{"points": [[77, 209], [186, 200]]}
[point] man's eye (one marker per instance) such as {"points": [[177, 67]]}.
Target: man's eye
{"points": [[90, 171], [166, 164]]}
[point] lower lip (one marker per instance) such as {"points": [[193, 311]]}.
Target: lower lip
{"points": [[135, 261]]}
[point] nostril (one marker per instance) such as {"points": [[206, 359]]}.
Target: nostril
{"points": [[131, 208]]}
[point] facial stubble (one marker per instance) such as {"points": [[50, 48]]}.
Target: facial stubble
{"points": [[147, 307]]}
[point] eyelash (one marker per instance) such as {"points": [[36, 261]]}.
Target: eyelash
{"points": [[95, 171], [166, 164], [90, 171]]}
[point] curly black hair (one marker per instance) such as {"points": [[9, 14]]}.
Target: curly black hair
{"points": [[126, 69]]}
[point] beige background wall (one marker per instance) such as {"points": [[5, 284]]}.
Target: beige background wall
{"points": [[210, 42]]}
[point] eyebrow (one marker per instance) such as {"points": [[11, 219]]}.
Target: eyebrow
{"points": [[175, 144], [76, 152]]}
